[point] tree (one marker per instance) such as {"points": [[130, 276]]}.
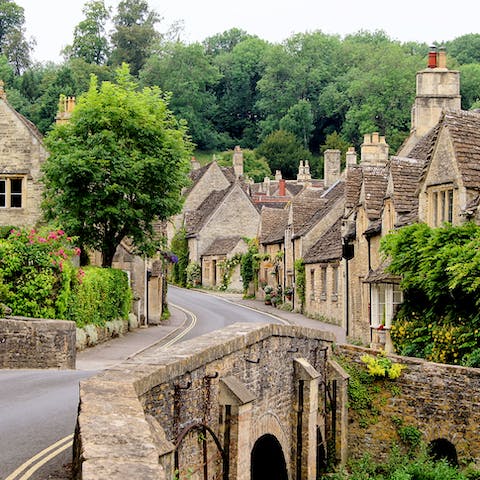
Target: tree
{"points": [[470, 85], [118, 166], [186, 71], [283, 152], [224, 42], [89, 37], [13, 43], [299, 121], [134, 38], [465, 49]]}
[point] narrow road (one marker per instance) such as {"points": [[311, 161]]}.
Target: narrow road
{"points": [[38, 408]]}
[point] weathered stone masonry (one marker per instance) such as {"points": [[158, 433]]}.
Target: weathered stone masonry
{"points": [[243, 382], [37, 343]]}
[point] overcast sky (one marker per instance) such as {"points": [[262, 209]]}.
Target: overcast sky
{"points": [[51, 22]]}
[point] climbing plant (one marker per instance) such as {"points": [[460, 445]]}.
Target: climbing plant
{"points": [[227, 267], [440, 268], [194, 274], [249, 265], [300, 281], [179, 247]]}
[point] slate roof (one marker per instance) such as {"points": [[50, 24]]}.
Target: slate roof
{"points": [[304, 206], [222, 246], [328, 200], [196, 175], [195, 220], [353, 186], [375, 180], [273, 222], [381, 275], [405, 173], [464, 130], [328, 248]]}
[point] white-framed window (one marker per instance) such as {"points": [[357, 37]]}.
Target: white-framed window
{"points": [[12, 192], [386, 297]]}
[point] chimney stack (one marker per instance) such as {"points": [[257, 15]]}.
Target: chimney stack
{"points": [[351, 156], [278, 174], [238, 161], [432, 57], [281, 187], [331, 167], [374, 150], [66, 106]]}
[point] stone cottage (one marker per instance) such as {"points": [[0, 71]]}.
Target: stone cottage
{"points": [[21, 156]]}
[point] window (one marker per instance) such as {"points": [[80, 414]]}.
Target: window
{"points": [[386, 297], [11, 192], [324, 283], [334, 283], [312, 283], [441, 206]]}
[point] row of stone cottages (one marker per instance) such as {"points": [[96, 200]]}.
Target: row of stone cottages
{"points": [[335, 224], [21, 156]]}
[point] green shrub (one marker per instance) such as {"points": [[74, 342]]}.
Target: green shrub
{"points": [[36, 272], [103, 294]]}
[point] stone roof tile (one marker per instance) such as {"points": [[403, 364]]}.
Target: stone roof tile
{"points": [[222, 246], [273, 224], [328, 248]]}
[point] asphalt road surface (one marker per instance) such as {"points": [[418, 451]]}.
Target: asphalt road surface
{"points": [[38, 408]]}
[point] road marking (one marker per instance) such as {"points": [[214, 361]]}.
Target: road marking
{"points": [[57, 448], [185, 330]]}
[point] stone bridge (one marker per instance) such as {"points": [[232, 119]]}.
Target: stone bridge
{"points": [[258, 402]]}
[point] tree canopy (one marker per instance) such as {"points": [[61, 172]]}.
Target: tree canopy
{"points": [[117, 166]]}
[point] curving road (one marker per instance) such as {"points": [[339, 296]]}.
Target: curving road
{"points": [[39, 407]]}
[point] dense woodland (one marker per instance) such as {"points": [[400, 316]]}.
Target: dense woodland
{"points": [[311, 92]]}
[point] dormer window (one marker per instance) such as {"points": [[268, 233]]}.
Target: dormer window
{"points": [[11, 192]]}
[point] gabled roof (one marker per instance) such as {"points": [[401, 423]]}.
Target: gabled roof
{"points": [[197, 174], [222, 246], [328, 248], [464, 130], [196, 219], [304, 206], [273, 222], [329, 197]]}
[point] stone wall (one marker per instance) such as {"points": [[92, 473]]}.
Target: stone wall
{"points": [[442, 401], [134, 413], [35, 343]]}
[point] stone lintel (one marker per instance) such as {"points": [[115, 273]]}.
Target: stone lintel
{"points": [[234, 392]]}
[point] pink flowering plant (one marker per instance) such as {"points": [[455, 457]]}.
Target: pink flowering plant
{"points": [[37, 273]]}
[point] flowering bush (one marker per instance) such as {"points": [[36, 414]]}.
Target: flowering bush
{"points": [[37, 273], [382, 366]]}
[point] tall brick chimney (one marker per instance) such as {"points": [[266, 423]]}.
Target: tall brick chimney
{"points": [[281, 187]]}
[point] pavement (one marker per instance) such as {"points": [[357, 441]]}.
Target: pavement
{"points": [[119, 349]]}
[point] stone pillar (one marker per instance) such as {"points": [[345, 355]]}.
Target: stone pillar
{"points": [[237, 401], [331, 166], [306, 379]]}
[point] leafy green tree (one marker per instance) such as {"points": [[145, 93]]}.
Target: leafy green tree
{"points": [[253, 167], [90, 40], [186, 71], [134, 37], [117, 166], [470, 84], [465, 49], [283, 151], [224, 42], [237, 93], [13, 43], [299, 121]]}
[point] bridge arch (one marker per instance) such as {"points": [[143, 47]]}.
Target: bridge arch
{"points": [[442, 449], [267, 460]]}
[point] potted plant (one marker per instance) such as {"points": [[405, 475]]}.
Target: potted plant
{"points": [[268, 294], [288, 293], [268, 299]]}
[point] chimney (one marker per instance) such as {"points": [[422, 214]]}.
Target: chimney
{"points": [[281, 187], [442, 58], [66, 106], [278, 174], [432, 57], [195, 164], [374, 150], [238, 161], [351, 156], [331, 167], [266, 185]]}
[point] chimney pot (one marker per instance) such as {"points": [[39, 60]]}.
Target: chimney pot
{"points": [[281, 187], [432, 57], [442, 58]]}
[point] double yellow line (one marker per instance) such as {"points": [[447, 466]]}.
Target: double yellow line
{"points": [[40, 459]]}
